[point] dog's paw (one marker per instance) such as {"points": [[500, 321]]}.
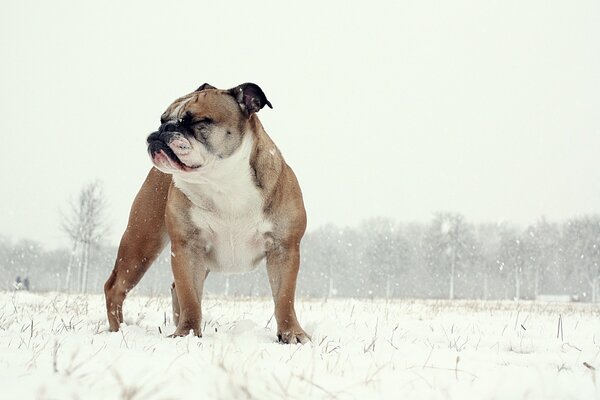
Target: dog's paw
{"points": [[293, 337], [185, 332]]}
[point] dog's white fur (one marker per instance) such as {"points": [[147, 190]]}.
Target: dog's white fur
{"points": [[227, 207]]}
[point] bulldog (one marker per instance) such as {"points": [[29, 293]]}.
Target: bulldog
{"points": [[222, 194]]}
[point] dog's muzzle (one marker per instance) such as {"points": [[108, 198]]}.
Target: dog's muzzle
{"points": [[161, 139], [169, 141]]}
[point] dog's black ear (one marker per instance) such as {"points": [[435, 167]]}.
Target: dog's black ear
{"points": [[205, 86], [250, 97]]}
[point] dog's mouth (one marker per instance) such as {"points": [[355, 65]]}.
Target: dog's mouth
{"points": [[168, 155]]}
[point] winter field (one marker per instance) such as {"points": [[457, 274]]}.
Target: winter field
{"points": [[55, 346]]}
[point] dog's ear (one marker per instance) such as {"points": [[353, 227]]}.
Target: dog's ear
{"points": [[250, 97], [205, 86]]}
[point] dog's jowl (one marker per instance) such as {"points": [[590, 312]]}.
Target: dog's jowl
{"points": [[222, 194]]}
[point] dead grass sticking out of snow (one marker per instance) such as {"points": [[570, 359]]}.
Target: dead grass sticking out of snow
{"points": [[56, 346]]}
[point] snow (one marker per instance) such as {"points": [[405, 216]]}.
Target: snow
{"points": [[56, 346]]}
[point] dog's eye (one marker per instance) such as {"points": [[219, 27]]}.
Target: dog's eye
{"points": [[205, 120]]}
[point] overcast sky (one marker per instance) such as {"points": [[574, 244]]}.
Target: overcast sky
{"points": [[400, 109]]}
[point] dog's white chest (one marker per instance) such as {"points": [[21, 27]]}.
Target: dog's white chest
{"points": [[236, 244], [228, 210]]}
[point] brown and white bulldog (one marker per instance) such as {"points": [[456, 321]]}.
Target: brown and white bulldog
{"points": [[223, 195]]}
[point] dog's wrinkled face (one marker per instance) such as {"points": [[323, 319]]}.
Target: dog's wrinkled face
{"points": [[203, 127]]}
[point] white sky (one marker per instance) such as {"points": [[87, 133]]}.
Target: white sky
{"points": [[401, 109]]}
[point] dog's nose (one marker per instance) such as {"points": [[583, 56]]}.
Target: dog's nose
{"points": [[169, 126], [153, 136]]}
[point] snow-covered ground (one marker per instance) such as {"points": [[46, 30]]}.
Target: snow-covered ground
{"points": [[55, 346]]}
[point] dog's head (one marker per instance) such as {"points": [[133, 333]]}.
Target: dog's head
{"points": [[204, 126]]}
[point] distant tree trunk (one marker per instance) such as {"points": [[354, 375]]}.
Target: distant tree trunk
{"points": [[517, 284], [96, 283], [69, 275], [594, 284], [485, 287], [330, 287], [388, 287], [452, 272], [227, 285], [85, 266], [536, 284]]}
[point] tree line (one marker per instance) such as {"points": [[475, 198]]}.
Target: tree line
{"points": [[448, 257], [452, 258]]}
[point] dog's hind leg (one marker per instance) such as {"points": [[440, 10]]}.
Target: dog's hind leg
{"points": [[142, 242]]}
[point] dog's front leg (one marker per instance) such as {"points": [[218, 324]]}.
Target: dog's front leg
{"points": [[189, 276], [175, 301], [282, 267]]}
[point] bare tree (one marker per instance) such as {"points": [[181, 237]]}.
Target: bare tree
{"points": [[488, 247], [84, 224], [385, 253], [513, 258], [541, 242], [450, 246]]}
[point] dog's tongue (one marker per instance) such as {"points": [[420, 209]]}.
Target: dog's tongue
{"points": [[181, 146]]}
